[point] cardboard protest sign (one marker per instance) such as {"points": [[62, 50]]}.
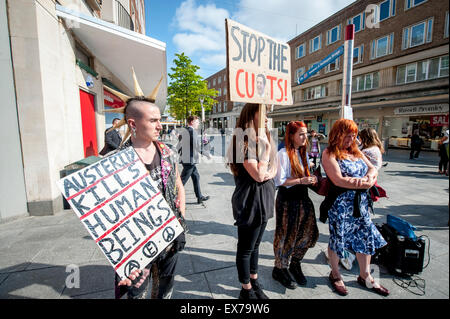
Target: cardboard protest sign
{"points": [[121, 206], [259, 67]]}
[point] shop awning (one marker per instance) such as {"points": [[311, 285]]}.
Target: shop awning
{"points": [[119, 49]]}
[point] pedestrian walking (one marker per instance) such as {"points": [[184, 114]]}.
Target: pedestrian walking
{"points": [[347, 203], [296, 227], [112, 138], [253, 198], [314, 146], [416, 145], [189, 149], [443, 153]]}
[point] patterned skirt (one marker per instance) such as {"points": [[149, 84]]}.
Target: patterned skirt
{"points": [[296, 226], [357, 234]]}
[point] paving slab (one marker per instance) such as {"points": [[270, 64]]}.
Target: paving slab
{"points": [[35, 251]]}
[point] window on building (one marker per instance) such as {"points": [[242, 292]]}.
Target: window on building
{"points": [[417, 34], [214, 82], [315, 44], [299, 72], [334, 35], [333, 66], [423, 70], [365, 82], [358, 54], [446, 26], [209, 84], [300, 51], [315, 92], [219, 80], [358, 21], [386, 9], [413, 3], [382, 46], [225, 91], [224, 77]]}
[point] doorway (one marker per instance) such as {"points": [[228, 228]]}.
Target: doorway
{"points": [[87, 105]]}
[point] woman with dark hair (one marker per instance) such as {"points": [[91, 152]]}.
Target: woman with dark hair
{"points": [[296, 227], [252, 159], [351, 228]]}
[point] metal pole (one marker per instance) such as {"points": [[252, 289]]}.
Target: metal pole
{"points": [[346, 109], [202, 124]]}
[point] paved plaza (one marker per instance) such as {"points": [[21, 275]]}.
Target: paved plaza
{"points": [[37, 252]]}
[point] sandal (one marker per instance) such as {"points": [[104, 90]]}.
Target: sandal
{"points": [[370, 285], [341, 290]]}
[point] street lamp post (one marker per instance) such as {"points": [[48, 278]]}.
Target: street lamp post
{"points": [[203, 122]]}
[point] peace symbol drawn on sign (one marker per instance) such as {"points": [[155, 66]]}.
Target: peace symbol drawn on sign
{"points": [[168, 234]]}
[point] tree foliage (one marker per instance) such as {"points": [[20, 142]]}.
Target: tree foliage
{"points": [[186, 88]]}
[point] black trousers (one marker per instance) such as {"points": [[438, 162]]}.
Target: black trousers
{"points": [[190, 170], [444, 158], [415, 148], [162, 273], [249, 238]]}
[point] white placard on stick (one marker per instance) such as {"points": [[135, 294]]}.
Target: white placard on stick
{"points": [[259, 67], [123, 210]]}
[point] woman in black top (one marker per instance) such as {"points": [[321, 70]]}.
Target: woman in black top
{"points": [[252, 160]]}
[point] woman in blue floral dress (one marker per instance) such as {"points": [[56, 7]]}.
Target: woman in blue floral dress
{"points": [[350, 225]]}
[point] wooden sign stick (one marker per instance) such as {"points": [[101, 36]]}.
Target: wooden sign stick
{"points": [[261, 125]]}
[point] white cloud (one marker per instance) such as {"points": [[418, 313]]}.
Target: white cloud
{"points": [[285, 19], [201, 28], [189, 43]]}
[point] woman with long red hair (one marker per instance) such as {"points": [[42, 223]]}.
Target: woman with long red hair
{"points": [[351, 228], [296, 227]]}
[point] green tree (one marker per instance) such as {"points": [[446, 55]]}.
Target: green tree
{"points": [[186, 88]]}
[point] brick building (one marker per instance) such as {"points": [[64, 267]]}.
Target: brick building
{"points": [[400, 70], [224, 113]]}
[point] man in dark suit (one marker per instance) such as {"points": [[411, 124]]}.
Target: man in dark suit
{"points": [[189, 154], [112, 139]]}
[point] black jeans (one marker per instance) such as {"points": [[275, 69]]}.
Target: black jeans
{"points": [[444, 158], [417, 149], [249, 238], [190, 170]]}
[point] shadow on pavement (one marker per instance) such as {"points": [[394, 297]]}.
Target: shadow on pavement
{"points": [[49, 281]]}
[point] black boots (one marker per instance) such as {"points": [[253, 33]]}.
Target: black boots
{"points": [[258, 289], [247, 294], [296, 270], [283, 277], [255, 293]]}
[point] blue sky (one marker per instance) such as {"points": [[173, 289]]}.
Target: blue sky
{"points": [[197, 27]]}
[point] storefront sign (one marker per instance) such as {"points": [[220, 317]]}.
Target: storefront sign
{"points": [[111, 100], [259, 67], [421, 109], [123, 210], [439, 120]]}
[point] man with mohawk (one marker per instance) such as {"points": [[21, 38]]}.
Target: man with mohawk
{"points": [[142, 116]]}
